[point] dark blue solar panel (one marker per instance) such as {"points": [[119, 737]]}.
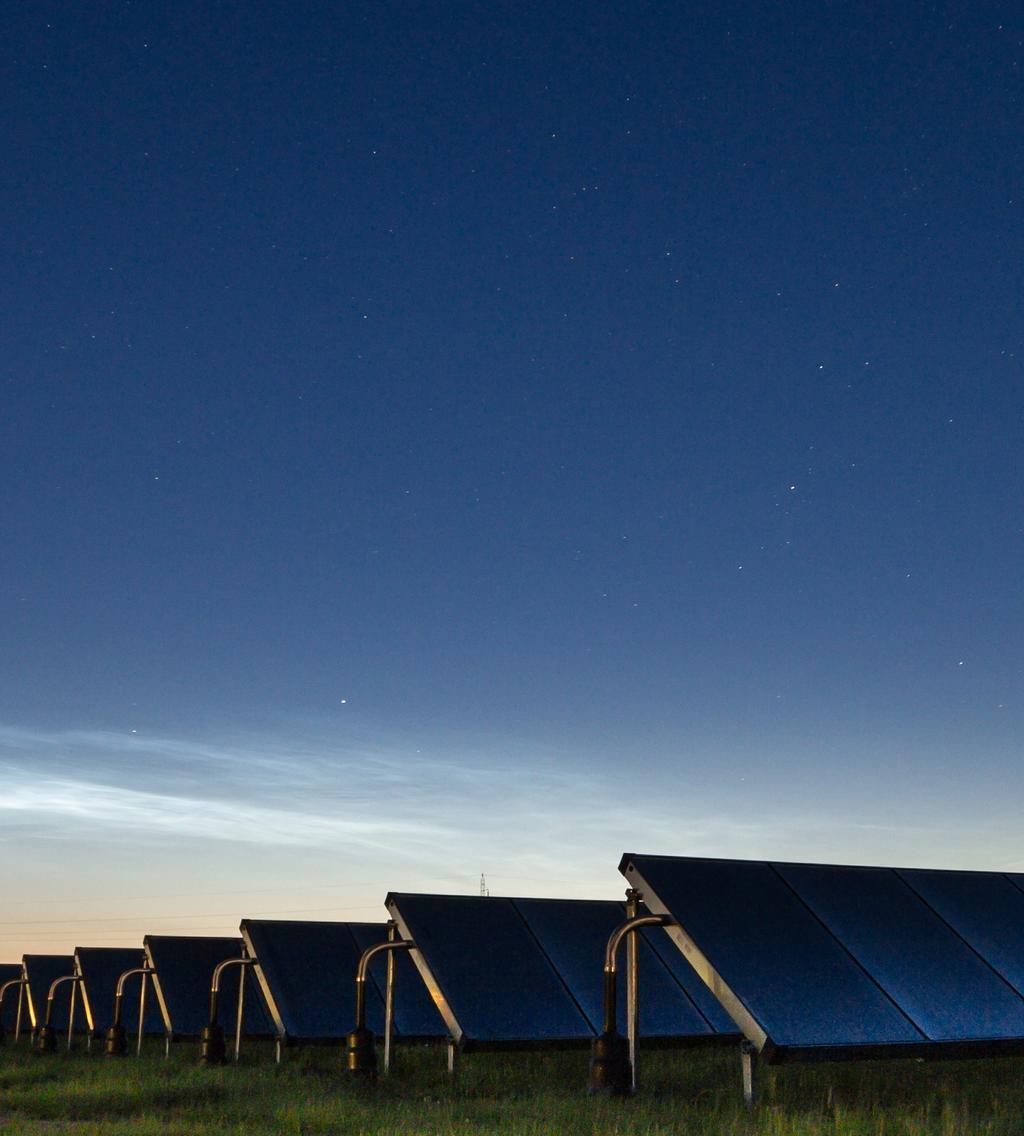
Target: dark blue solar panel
{"points": [[985, 908], [790, 973], [184, 970], [574, 933], [415, 1013], [687, 978], [925, 967], [310, 970], [100, 968], [41, 970], [9, 972], [489, 968]]}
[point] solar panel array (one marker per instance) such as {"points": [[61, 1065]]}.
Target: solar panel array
{"points": [[307, 972], [41, 971], [507, 971], [184, 966], [824, 960], [100, 968]]}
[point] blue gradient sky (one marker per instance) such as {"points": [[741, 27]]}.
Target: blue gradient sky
{"points": [[438, 439]]}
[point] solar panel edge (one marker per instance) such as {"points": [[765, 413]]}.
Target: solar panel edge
{"points": [[730, 1001], [429, 979], [263, 983]]}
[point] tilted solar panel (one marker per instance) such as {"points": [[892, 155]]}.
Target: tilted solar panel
{"points": [[493, 983], [307, 973], [9, 972], [100, 968], [41, 971], [508, 971], [184, 966], [826, 960]]}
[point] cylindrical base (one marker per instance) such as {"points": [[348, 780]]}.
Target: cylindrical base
{"points": [[361, 1053], [609, 1065], [46, 1039], [212, 1050], [115, 1042]]}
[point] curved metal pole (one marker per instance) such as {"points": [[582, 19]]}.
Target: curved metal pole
{"points": [[119, 990], [360, 1051], [20, 983], [218, 970], [611, 961], [76, 978], [364, 962]]}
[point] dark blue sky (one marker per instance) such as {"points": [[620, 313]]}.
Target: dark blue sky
{"points": [[623, 393]]}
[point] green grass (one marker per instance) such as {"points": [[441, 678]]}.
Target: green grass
{"points": [[516, 1094]]}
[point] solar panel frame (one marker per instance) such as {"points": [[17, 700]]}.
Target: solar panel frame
{"points": [[632, 866]]}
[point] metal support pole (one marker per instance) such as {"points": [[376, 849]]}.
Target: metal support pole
{"points": [[748, 1056], [211, 1050], [241, 1010], [360, 1047], [610, 1066], [632, 987], [277, 1050], [71, 1012], [144, 986], [389, 1000], [453, 1057], [21, 1003]]}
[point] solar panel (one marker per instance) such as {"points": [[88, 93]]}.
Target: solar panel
{"points": [[41, 971], [490, 978], [514, 971], [184, 966], [100, 968], [838, 961], [9, 972], [985, 908], [307, 973]]}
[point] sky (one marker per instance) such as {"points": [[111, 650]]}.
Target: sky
{"points": [[441, 439]]}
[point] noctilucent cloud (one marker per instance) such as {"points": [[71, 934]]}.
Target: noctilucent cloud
{"points": [[440, 439]]}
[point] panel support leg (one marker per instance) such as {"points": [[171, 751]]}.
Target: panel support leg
{"points": [[748, 1057], [389, 1001], [632, 988], [240, 1012], [142, 1014], [453, 1057]]}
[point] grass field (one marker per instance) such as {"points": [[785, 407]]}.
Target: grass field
{"points": [[520, 1093]]}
